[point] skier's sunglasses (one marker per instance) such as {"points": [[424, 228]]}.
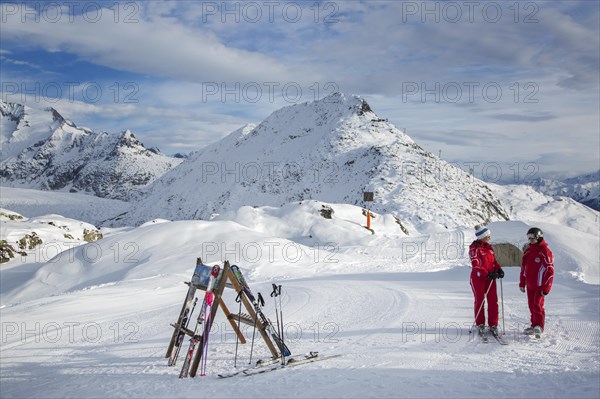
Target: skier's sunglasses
{"points": [[532, 237]]}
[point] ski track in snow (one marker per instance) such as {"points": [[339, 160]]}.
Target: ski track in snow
{"points": [[399, 334]]}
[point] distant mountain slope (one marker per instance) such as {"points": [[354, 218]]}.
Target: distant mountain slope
{"points": [[330, 150], [523, 202], [41, 149], [584, 188], [88, 208]]}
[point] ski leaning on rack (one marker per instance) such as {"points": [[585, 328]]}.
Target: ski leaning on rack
{"points": [[178, 335], [202, 324], [309, 358], [179, 341], [266, 322]]}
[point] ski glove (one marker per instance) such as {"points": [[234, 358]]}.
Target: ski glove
{"points": [[522, 289], [492, 275], [500, 273]]}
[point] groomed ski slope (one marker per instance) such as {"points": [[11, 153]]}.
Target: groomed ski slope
{"points": [[400, 334], [94, 322]]}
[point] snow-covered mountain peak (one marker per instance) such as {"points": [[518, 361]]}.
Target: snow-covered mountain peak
{"points": [[326, 111], [128, 139], [56, 116], [339, 121], [12, 110], [331, 150], [343, 102], [20, 125], [42, 149]]}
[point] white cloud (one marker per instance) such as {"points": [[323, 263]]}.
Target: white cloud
{"points": [[375, 49], [156, 46]]}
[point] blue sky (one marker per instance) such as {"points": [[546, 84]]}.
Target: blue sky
{"points": [[515, 84]]}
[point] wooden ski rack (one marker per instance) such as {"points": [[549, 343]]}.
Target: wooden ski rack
{"points": [[227, 280]]}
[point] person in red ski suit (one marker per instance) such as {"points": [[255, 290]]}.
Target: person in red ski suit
{"points": [[485, 270], [537, 275]]}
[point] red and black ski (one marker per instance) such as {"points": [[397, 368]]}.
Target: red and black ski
{"points": [[203, 324]]}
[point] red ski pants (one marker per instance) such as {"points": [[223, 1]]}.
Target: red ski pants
{"points": [[536, 307], [480, 286]]}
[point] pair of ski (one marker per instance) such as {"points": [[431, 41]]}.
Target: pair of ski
{"points": [[483, 334], [283, 349], [266, 366], [181, 326], [200, 334]]}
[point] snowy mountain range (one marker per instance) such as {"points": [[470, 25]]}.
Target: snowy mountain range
{"points": [[584, 188], [41, 149], [331, 150]]}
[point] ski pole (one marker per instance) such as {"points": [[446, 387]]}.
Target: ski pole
{"points": [[481, 306], [252, 346], [282, 325], [237, 339], [204, 347], [502, 302], [274, 295], [261, 302]]}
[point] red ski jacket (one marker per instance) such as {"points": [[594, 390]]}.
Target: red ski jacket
{"points": [[483, 259], [537, 268]]}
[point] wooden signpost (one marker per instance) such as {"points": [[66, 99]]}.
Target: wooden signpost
{"points": [[368, 197]]}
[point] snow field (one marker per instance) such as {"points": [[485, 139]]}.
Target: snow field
{"points": [[406, 335], [94, 322]]}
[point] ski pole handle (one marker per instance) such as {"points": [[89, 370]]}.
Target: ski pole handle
{"points": [[261, 300]]}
